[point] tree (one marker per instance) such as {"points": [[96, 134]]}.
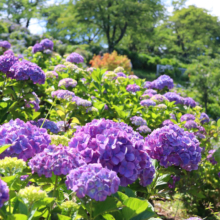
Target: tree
{"points": [[20, 11], [189, 32], [112, 18]]}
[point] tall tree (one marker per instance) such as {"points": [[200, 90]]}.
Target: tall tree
{"points": [[112, 18], [21, 11]]}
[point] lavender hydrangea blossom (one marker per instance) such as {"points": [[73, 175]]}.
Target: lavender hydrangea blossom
{"points": [[35, 101], [75, 58], [147, 85], [171, 145], [4, 193], [147, 103], [132, 77], [159, 98], [167, 122], [121, 74], [138, 121], [93, 180], [171, 96], [37, 48], [189, 102], [187, 117], [67, 82], [47, 44], [24, 70], [9, 52], [211, 158], [144, 129], [47, 124], [81, 102], [5, 44], [190, 124], [133, 88], [6, 62], [63, 94], [162, 82], [59, 68], [26, 139], [117, 147], [57, 159], [204, 118], [150, 91]]}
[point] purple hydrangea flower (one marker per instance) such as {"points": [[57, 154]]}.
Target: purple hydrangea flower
{"points": [[189, 102], [35, 101], [81, 102], [59, 68], [26, 139], [47, 124], [167, 122], [150, 91], [57, 159], [187, 117], [133, 88], [5, 44], [93, 180], [138, 121], [6, 61], [9, 52], [144, 129], [171, 145], [4, 193], [132, 77], [90, 69], [211, 158], [117, 147], [67, 82], [63, 94], [147, 85], [37, 48], [159, 98], [24, 70], [147, 103], [75, 58], [171, 96], [201, 133], [172, 116], [106, 107], [190, 124], [47, 44], [24, 177], [204, 118], [162, 82], [121, 74]]}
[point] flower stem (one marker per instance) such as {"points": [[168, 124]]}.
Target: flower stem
{"points": [[55, 186]]}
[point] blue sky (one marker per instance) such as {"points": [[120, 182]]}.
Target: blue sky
{"points": [[38, 27]]}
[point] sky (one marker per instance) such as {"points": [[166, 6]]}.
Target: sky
{"points": [[38, 27]]}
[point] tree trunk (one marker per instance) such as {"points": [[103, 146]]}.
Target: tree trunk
{"points": [[110, 47], [27, 23]]}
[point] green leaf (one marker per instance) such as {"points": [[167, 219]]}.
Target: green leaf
{"points": [[20, 217], [217, 156], [162, 180], [133, 207], [218, 123], [121, 196], [108, 217], [63, 217], [9, 180], [108, 205], [4, 147]]}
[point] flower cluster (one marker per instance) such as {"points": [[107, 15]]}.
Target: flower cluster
{"points": [[32, 194], [119, 69], [59, 139], [138, 121], [147, 85], [211, 158], [174, 97], [75, 58], [67, 82], [144, 129], [6, 61], [24, 70], [161, 106], [57, 159], [51, 74], [201, 133], [147, 103], [59, 68], [35, 101], [162, 82], [109, 75], [37, 48], [120, 74], [187, 117], [45, 44], [4, 193], [159, 98], [69, 205], [150, 91], [204, 118], [93, 180], [63, 94], [167, 122], [189, 102], [133, 88], [5, 44], [11, 165], [132, 77], [190, 124], [26, 139], [91, 109], [81, 102], [9, 52], [47, 124], [171, 145], [117, 147]]}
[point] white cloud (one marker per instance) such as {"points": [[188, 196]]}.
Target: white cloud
{"points": [[37, 27]]}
